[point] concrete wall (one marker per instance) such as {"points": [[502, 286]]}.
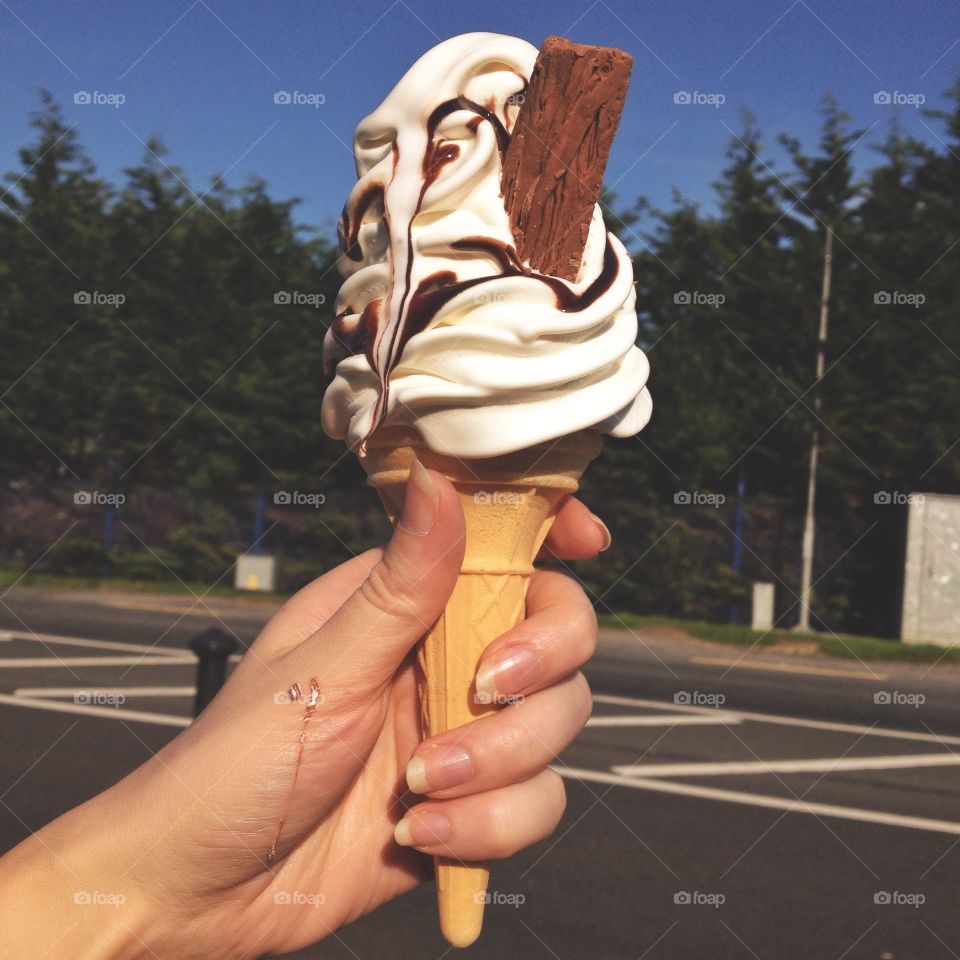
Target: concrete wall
{"points": [[931, 593]]}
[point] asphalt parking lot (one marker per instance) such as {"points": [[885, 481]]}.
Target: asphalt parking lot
{"points": [[707, 815]]}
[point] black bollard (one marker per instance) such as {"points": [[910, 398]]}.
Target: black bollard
{"points": [[212, 648]]}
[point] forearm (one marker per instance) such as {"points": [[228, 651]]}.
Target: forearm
{"points": [[73, 891]]}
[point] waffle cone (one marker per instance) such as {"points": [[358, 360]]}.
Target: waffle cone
{"points": [[509, 504]]}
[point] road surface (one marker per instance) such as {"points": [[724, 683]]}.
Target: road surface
{"points": [[723, 803]]}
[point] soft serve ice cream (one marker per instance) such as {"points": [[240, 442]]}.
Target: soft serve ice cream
{"points": [[438, 325]]}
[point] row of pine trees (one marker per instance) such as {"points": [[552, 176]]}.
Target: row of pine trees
{"points": [[161, 336]]}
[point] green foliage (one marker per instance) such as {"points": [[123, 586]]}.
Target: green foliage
{"points": [[199, 389], [733, 633], [847, 647], [732, 381], [75, 557], [143, 566]]}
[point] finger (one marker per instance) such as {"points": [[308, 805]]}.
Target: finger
{"points": [[576, 533], [311, 606], [558, 637], [508, 747], [486, 826], [365, 641]]}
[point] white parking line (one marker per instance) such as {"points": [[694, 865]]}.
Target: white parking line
{"points": [[106, 691], [22, 663], [646, 720], [787, 721], [759, 800], [651, 704], [86, 642], [108, 713], [822, 765], [128, 654]]}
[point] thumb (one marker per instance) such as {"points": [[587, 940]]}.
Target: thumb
{"points": [[366, 640]]}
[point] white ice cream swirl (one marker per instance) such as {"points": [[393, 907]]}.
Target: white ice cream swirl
{"points": [[438, 325]]}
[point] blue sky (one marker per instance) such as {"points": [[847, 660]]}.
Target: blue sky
{"points": [[202, 74]]}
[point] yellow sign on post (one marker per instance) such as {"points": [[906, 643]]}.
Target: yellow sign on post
{"points": [[256, 572]]}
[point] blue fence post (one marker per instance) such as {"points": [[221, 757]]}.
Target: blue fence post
{"points": [[257, 547], [110, 521], [738, 541]]}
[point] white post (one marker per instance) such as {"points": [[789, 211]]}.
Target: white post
{"points": [[762, 618], [809, 523]]}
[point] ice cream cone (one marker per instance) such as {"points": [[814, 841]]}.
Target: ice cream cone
{"points": [[509, 503]]}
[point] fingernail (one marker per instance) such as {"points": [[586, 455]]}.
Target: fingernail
{"points": [[509, 673], [420, 506], [439, 767], [607, 538], [422, 829]]}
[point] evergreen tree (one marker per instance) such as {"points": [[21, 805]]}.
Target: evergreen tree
{"points": [[759, 342], [206, 383], [54, 245]]}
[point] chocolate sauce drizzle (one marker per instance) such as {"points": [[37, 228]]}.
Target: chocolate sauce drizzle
{"points": [[420, 306]]}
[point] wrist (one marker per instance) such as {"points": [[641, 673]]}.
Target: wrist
{"points": [[72, 891]]}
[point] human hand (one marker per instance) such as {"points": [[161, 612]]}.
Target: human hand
{"points": [[279, 814]]}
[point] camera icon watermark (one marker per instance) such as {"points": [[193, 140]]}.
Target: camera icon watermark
{"points": [[697, 98], [897, 898], [698, 498], [896, 698], [295, 498], [498, 699], [297, 98], [497, 297], [895, 498], [896, 98], [698, 898], [96, 298], [298, 898], [507, 99], [697, 698], [298, 298], [498, 898], [98, 898], [96, 498], [497, 498], [698, 298], [98, 698], [899, 298], [88, 98]]}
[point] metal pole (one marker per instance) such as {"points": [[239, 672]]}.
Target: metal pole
{"points": [[809, 524], [212, 648]]}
